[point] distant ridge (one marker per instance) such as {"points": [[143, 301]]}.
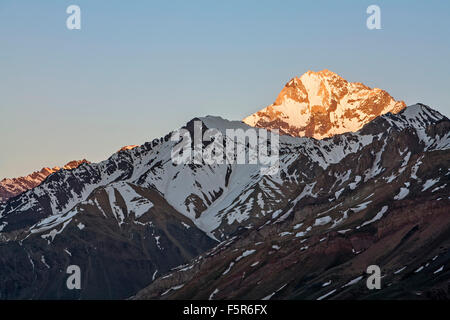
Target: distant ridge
{"points": [[12, 187]]}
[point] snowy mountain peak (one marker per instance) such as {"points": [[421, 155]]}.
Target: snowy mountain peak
{"points": [[322, 104]]}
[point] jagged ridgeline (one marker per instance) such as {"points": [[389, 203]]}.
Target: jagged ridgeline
{"points": [[138, 225]]}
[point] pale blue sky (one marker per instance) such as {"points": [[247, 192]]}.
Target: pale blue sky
{"points": [[138, 69]]}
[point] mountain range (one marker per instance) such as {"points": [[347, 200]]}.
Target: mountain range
{"points": [[362, 180]]}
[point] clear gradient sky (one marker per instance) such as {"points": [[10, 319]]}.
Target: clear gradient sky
{"points": [[138, 69]]}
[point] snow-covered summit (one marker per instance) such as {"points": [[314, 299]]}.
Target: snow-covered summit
{"points": [[322, 104]]}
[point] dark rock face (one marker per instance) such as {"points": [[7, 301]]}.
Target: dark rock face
{"points": [[116, 257]]}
